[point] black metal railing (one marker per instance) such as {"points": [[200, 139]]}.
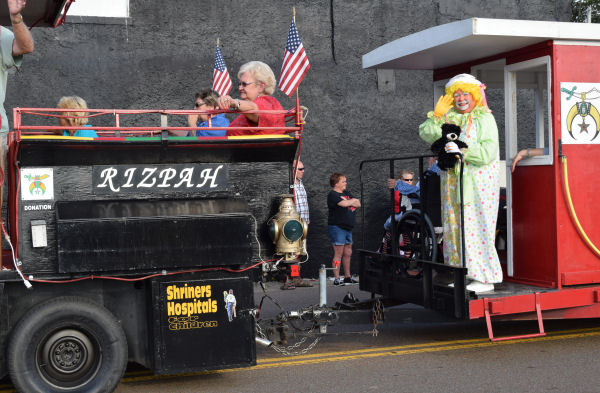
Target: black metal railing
{"points": [[383, 273]]}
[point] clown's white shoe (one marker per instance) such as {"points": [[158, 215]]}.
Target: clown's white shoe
{"points": [[479, 287]]}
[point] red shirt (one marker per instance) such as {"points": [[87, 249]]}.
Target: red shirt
{"points": [[264, 119]]}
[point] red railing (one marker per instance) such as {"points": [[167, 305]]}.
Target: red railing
{"points": [[20, 127], [120, 128]]}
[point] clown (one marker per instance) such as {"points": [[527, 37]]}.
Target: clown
{"points": [[464, 105]]}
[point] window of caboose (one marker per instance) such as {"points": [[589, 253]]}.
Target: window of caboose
{"points": [[527, 104]]}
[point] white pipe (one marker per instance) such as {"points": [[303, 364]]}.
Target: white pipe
{"points": [[264, 341], [322, 294], [322, 286]]}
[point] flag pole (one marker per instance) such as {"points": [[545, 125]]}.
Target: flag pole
{"points": [[298, 118], [297, 88], [217, 41]]}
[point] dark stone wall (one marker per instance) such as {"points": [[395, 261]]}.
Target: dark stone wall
{"points": [[165, 53]]}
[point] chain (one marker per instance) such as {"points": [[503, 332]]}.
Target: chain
{"points": [[287, 350], [291, 350], [377, 316]]}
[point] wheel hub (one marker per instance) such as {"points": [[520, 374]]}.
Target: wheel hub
{"points": [[68, 358], [69, 354]]}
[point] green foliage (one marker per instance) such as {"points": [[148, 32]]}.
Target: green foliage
{"points": [[580, 12]]}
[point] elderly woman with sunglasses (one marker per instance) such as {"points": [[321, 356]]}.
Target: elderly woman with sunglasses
{"points": [[257, 83]]}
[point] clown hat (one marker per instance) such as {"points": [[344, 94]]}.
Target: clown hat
{"points": [[464, 78], [471, 80]]}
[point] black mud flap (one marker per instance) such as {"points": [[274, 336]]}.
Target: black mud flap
{"points": [[202, 324], [388, 276]]}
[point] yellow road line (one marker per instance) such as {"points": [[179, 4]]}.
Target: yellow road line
{"points": [[367, 350], [421, 345], [418, 351], [376, 352], [336, 356]]}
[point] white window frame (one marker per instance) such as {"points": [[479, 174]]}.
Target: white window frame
{"points": [[543, 138]]}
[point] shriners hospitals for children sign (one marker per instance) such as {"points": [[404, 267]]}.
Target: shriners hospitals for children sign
{"points": [[579, 112]]}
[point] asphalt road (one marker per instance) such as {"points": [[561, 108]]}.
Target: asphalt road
{"points": [[416, 358], [406, 356]]}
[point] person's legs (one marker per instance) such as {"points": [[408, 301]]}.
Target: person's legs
{"points": [[338, 239], [338, 252], [298, 281], [347, 254], [346, 257], [303, 252]]}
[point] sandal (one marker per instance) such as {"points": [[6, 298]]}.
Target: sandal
{"points": [[298, 282]]}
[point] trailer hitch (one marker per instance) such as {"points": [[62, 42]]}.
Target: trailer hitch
{"points": [[317, 314]]}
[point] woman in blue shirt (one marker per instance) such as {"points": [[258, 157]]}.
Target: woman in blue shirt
{"points": [[74, 102], [206, 100]]}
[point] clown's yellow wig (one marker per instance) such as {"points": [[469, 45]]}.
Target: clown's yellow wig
{"points": [[475, 90], [467, 83]]}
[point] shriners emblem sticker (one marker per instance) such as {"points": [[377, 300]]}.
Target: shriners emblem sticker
{"points": [[37, 184]]}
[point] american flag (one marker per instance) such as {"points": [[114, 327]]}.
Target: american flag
{"points": [[221, 80], [295, 63]]}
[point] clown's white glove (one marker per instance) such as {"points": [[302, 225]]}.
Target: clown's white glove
{"points": [[452, 147]]}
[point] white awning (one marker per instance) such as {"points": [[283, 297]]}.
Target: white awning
{"points": [[472, 39]]}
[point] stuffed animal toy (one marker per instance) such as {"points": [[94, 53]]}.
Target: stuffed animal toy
{"points": [[450, 133]]}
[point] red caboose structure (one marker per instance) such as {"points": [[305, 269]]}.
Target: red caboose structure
{"points": [[550, 79]]}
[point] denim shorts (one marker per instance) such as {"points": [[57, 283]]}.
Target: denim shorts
{"points": [[339, 236]]}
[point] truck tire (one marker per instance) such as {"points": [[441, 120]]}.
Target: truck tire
{"points": [[67, 344]]}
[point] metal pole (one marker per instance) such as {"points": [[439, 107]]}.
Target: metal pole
{"points": [[322, 286], [422, 211], [394, 232], [363, 205], [322, 294], [462, 214]]}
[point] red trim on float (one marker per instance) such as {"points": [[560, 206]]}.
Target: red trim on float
{"points": [[109, 138], [511, 57], [517, 304]]}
